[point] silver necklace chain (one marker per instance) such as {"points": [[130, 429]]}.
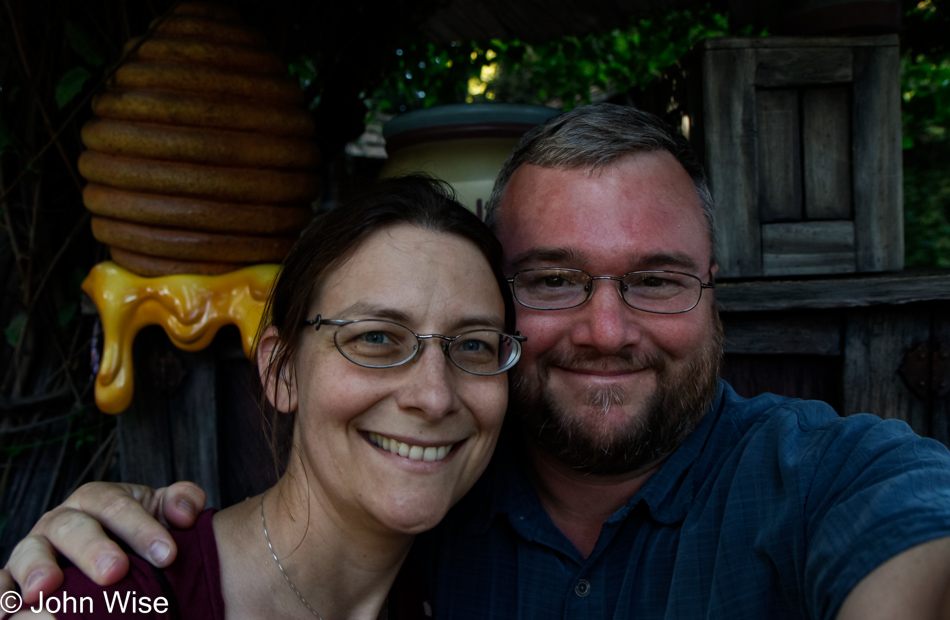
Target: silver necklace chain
{"points": [[282, 571]]}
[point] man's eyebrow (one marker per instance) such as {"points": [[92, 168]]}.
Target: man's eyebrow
{"points": [[568, 257], [560, 256], [663, 260]]}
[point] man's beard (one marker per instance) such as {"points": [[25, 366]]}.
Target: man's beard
{"points": [[680, 400]]}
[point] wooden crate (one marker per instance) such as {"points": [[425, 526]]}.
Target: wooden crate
{"points": [[801, 139]]}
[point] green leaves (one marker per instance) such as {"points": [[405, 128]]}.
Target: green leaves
{"points": [[66, 313], [88, 48], [90, 51], [71, 85], [567, 72], [15, 329]]}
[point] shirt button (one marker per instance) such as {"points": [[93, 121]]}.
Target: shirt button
{"points": [[582, 588]]}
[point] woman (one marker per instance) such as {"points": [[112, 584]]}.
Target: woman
{"points": [[387, 338]]}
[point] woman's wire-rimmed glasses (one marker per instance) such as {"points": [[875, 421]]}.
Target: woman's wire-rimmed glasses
{"points": [[558, 288], [380, 343]]}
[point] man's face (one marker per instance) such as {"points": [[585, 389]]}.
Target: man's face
{"points": [[606, 388]]}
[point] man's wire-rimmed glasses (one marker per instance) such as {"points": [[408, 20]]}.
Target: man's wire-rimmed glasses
{"points": [[558, 288], [380, 343]]}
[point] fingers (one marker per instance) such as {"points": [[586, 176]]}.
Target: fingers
{"points": [[33, 565], [75, 529], [130, 512], [80, 538], [179, 504]]}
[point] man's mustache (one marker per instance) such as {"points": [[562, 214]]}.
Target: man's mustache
{"points": [[592, 361]]}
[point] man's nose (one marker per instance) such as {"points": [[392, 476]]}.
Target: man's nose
{"points": [[605, 321], [429, 388]]}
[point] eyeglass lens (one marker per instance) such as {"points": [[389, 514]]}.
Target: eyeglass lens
{"points": [[380, 344], [653, 291]]}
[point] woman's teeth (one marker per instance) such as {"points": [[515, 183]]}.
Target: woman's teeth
{"points": [[413, 453]]}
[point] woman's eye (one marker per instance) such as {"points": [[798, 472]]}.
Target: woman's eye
{"points": [[472, 345], [376, 338]]}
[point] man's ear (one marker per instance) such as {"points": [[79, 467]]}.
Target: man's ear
{"points": [[280, 384]]}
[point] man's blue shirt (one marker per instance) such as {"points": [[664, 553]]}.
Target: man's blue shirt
{"points": [[772, 508]]}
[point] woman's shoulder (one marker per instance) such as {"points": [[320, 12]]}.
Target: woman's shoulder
{"points": [[189, 588]]}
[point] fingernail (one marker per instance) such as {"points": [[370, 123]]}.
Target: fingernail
{"points": [[187, 507], [158, 552], [32, 580], [103, 564]]}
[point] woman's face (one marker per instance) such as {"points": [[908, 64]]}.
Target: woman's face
{"points": [[433, 283]]}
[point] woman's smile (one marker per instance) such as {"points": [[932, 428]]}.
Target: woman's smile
{"points": [[412, 451]]}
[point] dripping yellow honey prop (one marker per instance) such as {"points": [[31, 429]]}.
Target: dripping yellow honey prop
{"points": [[190, 308]]}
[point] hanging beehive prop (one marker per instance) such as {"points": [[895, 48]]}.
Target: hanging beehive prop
{"points": [[200, 164]]}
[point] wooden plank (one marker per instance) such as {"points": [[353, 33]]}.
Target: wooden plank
{"points": [[247, 465], [808, 248], [817, 333], [732, 43], [826, 138], [878, 175], [778, 150], [813, 377], [803, 66], [940, 407], [170, 432], [853, 291], [729, 121], [876, 340]]}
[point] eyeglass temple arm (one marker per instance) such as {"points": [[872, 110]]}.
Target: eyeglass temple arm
{"points": [[318, 322]]}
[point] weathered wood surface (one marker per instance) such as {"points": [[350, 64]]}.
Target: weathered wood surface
{"points": [[729, 104], [783, 333], [779, 156], [826, 140], [878, 172], [803, 129], [940, 407], [797, 66], [170, 432], [853, 291], [808, 248], [732, 43], [849, 357], [876, 340], [812, 377]]}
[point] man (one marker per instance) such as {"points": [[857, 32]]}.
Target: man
{"points": [[635, 483]]}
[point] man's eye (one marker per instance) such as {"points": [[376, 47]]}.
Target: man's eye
{"points": [[654, 282], [554, 281]]}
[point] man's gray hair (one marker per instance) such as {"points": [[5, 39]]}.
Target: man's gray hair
{"points": [[595, 136]]}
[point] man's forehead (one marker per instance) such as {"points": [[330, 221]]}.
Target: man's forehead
{"points": [[643, 204]]}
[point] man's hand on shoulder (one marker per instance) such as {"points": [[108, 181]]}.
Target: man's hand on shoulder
{"points": [[914, 584], [135, 514]]}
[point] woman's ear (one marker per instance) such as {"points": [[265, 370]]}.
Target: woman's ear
{"points": [[280, 385]]}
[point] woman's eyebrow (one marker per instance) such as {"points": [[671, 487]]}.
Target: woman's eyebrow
{"points": [[481, 320], [363, 310]]}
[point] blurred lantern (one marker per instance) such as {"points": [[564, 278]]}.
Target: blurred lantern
{"points": [[463, 144], [200, 159]]}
